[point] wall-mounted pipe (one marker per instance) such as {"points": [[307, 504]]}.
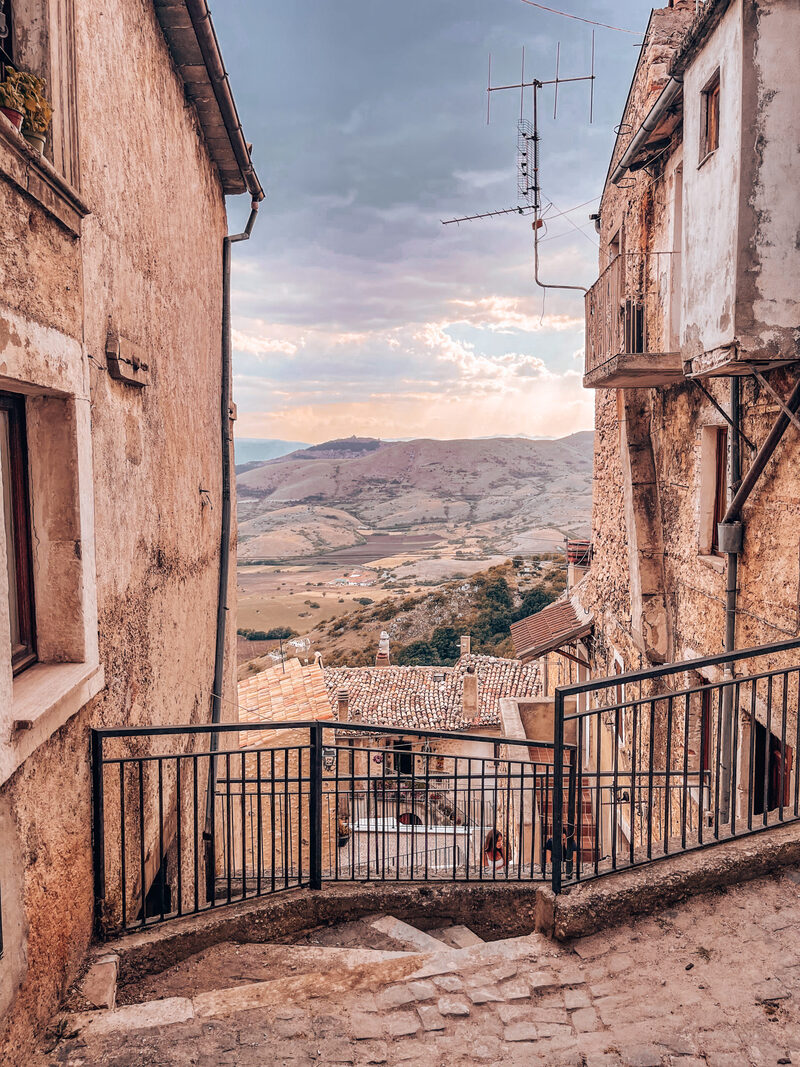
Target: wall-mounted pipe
{"points": [[666, 99], [225, 531]]}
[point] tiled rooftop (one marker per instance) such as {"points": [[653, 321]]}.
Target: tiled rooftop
{"points": [[282, 693], [430, 698], [425, 698]]}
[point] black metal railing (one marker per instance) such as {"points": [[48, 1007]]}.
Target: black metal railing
{"points": [[667, 761], [188, 818]]}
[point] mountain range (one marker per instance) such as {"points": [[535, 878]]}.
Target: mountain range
{"points": [[498, 490]]}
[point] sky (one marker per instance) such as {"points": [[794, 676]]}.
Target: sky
{"points": [[355, 310]]}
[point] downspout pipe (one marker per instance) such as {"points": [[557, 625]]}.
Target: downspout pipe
{"points": [[227, 465], [225, 532], [731, 535], [731, 592], [666, 99]]}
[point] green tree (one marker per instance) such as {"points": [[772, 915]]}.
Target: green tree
{"points": [[417, 654]]}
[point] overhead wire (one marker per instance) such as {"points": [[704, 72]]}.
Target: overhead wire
{"points": [[580, 18]]}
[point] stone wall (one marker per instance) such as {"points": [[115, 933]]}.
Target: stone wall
{"points": [[148, 265]]}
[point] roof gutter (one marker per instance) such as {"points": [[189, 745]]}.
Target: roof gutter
{"points": [[212, 57], [667, 97]]}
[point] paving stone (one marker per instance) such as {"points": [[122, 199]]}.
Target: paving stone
{"points": [[641, 1056], [516, 990], [400, 1023], [771, 990], [430, 1018], [576, 998], [487, 1049], [503, 971], [585, 1020], [484, 995], [453, 1006], [297, 1027], [520, 1032], [514, 1013], [367, 1027], [451, 983], [601, 1059], [422, 990], [396, 996], [335, 1052], [373, 1052]]}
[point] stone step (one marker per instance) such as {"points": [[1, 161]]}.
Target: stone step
{"points": [[457, 936], [406, 935], [232, 965], [349, 973]]}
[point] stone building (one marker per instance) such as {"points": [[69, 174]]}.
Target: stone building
{"points": [[692, 333], [114, 437], [390, 792]]}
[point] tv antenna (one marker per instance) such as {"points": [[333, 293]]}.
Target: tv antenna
{"points": [[528, 137]]}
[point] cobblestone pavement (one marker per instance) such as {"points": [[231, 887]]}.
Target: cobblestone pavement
{"points": [[715, 982]]}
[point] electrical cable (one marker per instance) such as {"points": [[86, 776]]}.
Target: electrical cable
{"points": [[580, 18]]}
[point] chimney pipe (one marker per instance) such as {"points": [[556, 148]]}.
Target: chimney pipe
{"points": [[343, 705], [470, 694], [466, 644], [382, 658]]}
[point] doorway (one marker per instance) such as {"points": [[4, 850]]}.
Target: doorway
{"points": [[772, 771]]}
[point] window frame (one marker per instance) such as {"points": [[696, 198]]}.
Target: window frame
{"points": [[710, 116], [7, 42], [720, 486], [13, 404]]}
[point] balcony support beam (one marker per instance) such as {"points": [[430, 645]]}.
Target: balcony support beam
{"points": [[731, 422]]}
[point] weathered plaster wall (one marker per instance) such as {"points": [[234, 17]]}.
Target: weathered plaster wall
{"points": [[768, 307], [149, 265], [711, 193]]}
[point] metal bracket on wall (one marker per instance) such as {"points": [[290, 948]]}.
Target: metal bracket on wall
{"points": [[773, 393], [736, 429]]}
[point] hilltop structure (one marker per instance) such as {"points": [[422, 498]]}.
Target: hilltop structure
{"points": [[114, 539]]}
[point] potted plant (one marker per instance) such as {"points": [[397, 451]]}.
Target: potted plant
{"points": [[12, 101], [38, 112], [343, 832]]}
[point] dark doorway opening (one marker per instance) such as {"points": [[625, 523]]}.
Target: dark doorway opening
{"points": [[403, 757], [772, 771]]}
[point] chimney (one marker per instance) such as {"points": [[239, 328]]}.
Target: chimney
{"points": [[465, 644], [470, 694], [382, 659], [343, 705]]}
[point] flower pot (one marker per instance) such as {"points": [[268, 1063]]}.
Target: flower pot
{"points": [[14, 117], [35, 140], [343, 839]]}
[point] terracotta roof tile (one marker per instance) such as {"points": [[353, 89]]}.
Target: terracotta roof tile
{"points": [[550, 628], [430, 698], [282, 694]]}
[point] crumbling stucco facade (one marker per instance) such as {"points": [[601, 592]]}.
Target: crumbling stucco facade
{"points": [[111, 246]]}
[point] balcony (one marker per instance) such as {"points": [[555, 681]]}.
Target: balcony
{"points": [[629, 323]]}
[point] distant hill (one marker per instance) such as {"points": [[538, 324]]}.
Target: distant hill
{"points": [[502, 487], [256, 450]]}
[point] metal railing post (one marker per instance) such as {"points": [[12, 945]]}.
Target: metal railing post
{"points": [[558, 788], [315, 807], [98, 831]]}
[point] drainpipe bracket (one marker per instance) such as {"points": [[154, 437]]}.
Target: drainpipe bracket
{"points": [[730, 537]]}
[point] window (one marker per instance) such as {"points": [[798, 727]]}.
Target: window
{"points": [[6, 38], [17, 529], [709, 118], [713, 486]]}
